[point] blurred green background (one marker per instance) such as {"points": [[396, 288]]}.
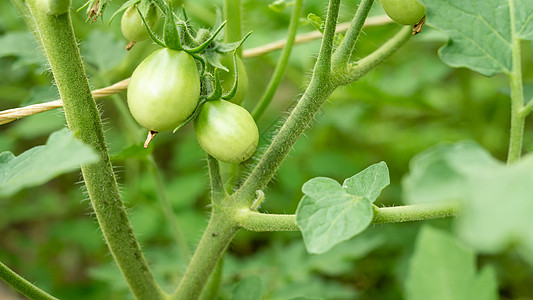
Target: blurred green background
{"points": [[413, 101]]}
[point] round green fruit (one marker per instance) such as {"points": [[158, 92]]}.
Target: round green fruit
{"points": [[164, 90], [132, 25], [227, 78], [226, 131], [405, 12]]}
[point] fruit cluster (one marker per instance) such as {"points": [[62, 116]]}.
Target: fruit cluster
{"points": [[172, 86]]}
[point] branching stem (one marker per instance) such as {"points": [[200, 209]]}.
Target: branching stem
{"points": [[342, 55]]}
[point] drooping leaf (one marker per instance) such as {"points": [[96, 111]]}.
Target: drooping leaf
{"points": [[328, 215], [441, 268], [481, 32], [368, 183], [62, 153]]}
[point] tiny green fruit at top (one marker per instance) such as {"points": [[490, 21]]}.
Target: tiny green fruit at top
{"points": [[227, 78], [57, 7], [132, 25], [405, 12], [164, 90], [226, 131]]}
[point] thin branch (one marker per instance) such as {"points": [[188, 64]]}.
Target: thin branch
{"points": [[275, 80], [22, 285], [343, 54], [311, 36], [255, 221], [368, 63], [528, 108], [217, 187]]}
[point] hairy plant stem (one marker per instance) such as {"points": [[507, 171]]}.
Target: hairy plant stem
{"points": [[343, 54], [255, 221], [517, 95], [22, 285], [275, 80], [84, 121], [316, 93], [217, 236], [218, 192], [368, 63]]}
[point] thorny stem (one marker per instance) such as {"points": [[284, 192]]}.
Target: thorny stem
{"points": [[22, 285], [84, 121], [281, 65]]}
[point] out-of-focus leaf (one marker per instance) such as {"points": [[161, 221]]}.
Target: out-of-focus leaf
{"points": [[498, 209], [441, 268], [62, 153], [102, 50], [481, 32], [250, 288], [23, 46], [439, 173], [40, 94]]}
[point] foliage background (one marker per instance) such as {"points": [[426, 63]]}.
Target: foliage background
{"points": [[406, 105]]}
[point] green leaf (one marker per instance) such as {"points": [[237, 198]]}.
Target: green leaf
{"points": [[480, 32], [441, 268], [23, 46], [62, 153], [439, 173], [250, 288], [328, 215], [103, 59], [498, 211], [368, 183], [317, 22]]}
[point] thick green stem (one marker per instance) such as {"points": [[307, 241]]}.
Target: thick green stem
{"points": [[217, 236], [281, 65], [255, 221], [84, 121], [317, 92], [22, 285], [517, 95], [233, 16], [342, 55]]}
